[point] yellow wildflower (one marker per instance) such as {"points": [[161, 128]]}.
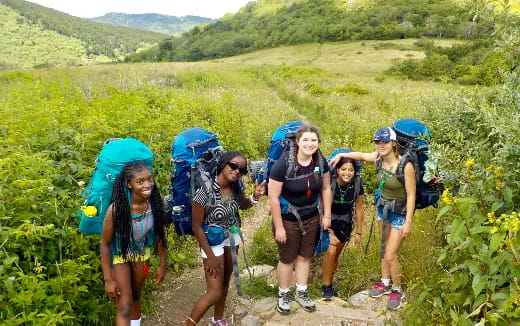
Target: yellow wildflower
{"points": [[500, 171], [495, 229], [469, 163], [447, 197]]}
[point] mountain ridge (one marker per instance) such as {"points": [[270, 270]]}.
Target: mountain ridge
{"points": [[165, 24]]}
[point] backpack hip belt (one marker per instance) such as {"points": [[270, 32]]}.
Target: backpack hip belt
{"points": [[343, 217], [294, 211]]}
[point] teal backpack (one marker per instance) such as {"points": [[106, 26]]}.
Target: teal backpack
{"points": [[114, 155]]}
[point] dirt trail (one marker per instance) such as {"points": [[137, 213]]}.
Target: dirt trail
{"points": [[177, 294]]}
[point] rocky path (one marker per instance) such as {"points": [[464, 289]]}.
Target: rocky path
{"points": [[177, 295]]}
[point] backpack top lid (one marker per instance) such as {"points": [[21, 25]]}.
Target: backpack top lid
{"points": [[411, 130], [125, 150], [290, 127], [191, 143], [358, 165]]}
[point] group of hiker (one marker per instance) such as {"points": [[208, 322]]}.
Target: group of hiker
{"points": [[307, 196]]}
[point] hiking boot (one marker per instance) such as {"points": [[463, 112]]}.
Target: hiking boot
{"points": [[395, 300], [379, 289], [302, 297], [327, 292], [284, 303], [220, 322]]}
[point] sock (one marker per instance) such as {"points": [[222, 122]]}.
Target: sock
{"points": [[213, 320], [282, 291], [397, 288], [135, 322], [386, 281], [301, 287]]}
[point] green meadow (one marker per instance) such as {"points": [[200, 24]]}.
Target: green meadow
{"points": [[54, 121]]}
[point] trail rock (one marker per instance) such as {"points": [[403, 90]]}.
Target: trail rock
{"points": [[251, 320], [258, 271]]}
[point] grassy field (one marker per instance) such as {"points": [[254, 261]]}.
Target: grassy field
{"points": [[53, 123]]}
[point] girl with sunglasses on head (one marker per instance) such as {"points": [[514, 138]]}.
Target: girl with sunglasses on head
{"points": [[134, 224], [300, 186], [217, 258], [395, 209]]}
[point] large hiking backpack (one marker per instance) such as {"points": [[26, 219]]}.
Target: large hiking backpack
{"points": [[114, 155], [282, 141], [195, 154], [414, 137]]}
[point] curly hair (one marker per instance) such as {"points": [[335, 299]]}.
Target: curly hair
{"points": [[121, 203]]}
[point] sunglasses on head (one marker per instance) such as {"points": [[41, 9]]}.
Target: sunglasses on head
{"points": [[233, 166]]}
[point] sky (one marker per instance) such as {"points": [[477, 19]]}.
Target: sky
{"points": [[94, 8]]}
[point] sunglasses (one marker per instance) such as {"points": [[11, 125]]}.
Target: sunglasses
{"points": [[233, 166]]}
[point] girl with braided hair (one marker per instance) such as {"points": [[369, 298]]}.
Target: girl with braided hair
{"points": [[229, 197], [134, 224]]}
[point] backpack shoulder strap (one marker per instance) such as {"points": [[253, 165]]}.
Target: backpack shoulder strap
{"points": [[411, 157], [291, 166]]}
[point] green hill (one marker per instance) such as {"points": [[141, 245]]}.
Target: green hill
{"points": [[269, 23], [36, 36], [165, 24]]}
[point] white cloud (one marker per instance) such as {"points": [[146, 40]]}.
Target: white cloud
{"points": [[94, 8]]}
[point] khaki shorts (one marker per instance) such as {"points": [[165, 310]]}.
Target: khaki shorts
{"points": [[298, 244]]}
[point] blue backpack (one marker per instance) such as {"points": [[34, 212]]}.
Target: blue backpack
{"points": [[413, 137], [114, 155], [282, 141], [195, 154]]}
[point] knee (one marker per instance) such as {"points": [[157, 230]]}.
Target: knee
{"points": [[391, 258], [214, 295], [124, 310]]}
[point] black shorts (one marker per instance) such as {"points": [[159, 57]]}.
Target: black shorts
{"points": [[342, 230]]}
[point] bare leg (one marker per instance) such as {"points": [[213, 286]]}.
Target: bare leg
{"points": [[284, 273], [138, 278], [214, 287], [228, 270], [393, 244], [330, 262], [302, 267], [123, 278], [385, 267]]}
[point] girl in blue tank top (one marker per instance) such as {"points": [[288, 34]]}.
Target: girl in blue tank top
{"points": [[133, 226]]}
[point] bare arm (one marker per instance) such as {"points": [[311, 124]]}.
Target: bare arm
{"points": [[197, 218], [275, 189], [246, 202], [106, 239], [161, 270], [326, 195], [410, 186], [359, 156]]}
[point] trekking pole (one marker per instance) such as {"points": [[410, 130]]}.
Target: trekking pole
{"points": [[369, 236]]}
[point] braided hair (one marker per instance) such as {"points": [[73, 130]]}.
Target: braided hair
{"points": [[121, 212], [236, 187]]}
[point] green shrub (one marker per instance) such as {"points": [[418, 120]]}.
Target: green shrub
{"points": [[263, 249]]}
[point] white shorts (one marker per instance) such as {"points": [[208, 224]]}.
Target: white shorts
{"points": [[219, 250]]}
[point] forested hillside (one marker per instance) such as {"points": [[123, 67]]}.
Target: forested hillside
{"points": [[33, 35], [269, 23], [164, 24]]}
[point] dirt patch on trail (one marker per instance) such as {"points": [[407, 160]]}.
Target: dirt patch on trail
{"points": [[177, 294]]}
